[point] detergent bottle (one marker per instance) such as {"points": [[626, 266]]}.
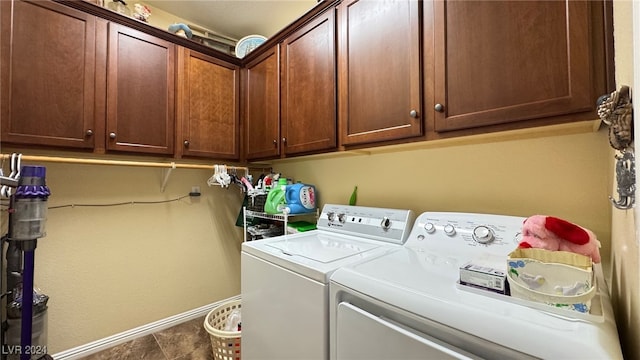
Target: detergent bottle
{"points": [[275, 202], [300, 198]]}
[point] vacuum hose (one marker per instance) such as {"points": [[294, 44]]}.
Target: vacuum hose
{"points": [[27, 301]]}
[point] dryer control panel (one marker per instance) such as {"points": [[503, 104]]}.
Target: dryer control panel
{"points": [[388, 225], [457, 233]]}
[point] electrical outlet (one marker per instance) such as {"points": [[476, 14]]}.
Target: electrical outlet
{"points": [[195, 191]]}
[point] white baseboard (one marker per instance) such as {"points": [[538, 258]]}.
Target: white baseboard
{"points": [[113, 340]]}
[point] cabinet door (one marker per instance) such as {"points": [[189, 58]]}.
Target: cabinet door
{"points": [[309, 110], [208, 120], [140, 92], [47, 67], [379, 70], [507, 61], [262, 106]]}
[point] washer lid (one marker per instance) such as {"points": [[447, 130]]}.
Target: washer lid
{"points": [[323, 248], [315, 254]]}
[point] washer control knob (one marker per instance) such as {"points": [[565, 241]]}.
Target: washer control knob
{"points": [[482, 234], [331, 216], [429, 228], [385, 223], [449, 230], [342, 218]]}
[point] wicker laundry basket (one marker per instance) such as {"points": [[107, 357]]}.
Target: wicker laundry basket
{"points": [[225, 344]]}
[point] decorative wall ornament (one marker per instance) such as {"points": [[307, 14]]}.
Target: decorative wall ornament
{"points": [[616, 110]]}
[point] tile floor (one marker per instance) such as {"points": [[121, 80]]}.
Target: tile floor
{"points": [[186, 341]]}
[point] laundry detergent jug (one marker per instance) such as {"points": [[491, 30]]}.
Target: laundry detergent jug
{"points": [[275, 202], [300, 198]]}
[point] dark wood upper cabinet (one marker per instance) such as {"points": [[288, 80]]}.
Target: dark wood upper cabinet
{"points": [[261, 105], [347, 74], [499, 62], [309, 102], [208, 106], [140, 92], [48, 83], [379, 70]]}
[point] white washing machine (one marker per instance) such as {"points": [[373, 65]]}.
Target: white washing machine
{"points": [[408, 304], [285, 279]]}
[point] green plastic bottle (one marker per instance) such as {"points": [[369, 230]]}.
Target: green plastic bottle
{"points": [[276, 202]]}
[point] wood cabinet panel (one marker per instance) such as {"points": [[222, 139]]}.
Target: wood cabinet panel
{"points": [[140, 92], [309, 103], [380, 75], [208, 107], [492, 65], [262, 106], [48, 83], [506, 61]]}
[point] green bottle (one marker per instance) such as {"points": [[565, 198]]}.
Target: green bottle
{"points": [[275, 202]]}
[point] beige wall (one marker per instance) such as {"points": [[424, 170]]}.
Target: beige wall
{"points": [[626, 265], [111, 269], [565, 176]]}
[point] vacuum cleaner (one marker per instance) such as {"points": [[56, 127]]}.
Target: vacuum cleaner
{"points": [[24, 330]]}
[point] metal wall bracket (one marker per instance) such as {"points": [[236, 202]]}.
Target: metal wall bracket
{"points": [[626, 181], [166, 173]]}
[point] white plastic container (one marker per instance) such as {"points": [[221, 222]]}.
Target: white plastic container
{"points": [[29, 220]]}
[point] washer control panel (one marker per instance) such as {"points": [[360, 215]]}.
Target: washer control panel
{"points": [[388, 225], [455, 233]]}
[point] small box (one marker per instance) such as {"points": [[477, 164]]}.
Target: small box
{"points": [[483, 276], [557, 278]]}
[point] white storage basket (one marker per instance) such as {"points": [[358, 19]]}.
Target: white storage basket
{"points": [[225, 344], [556, 278]]}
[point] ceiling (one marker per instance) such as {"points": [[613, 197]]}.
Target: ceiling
{"points": [[237, 18]]}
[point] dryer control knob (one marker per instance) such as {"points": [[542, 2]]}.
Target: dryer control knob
{"points": [[482, 234], [517, 238], [342, 218], [449, 230], [385, 223], [331, 216], [429, 228]]}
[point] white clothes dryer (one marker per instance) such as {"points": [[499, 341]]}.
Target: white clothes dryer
{"points": [[408, 304], [285, 279]]}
